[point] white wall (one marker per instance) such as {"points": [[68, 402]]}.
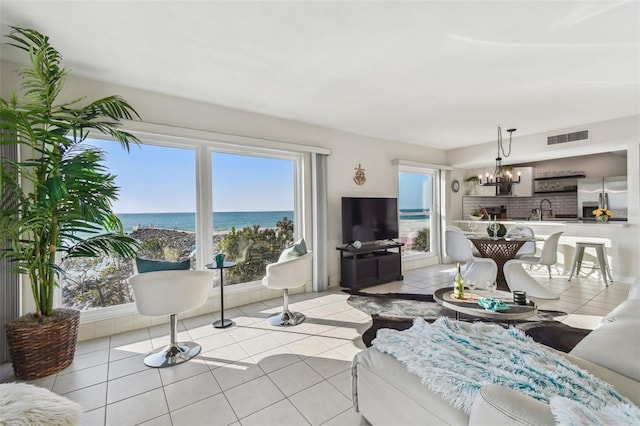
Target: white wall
{"points": [[604, 136], [348, 150]]}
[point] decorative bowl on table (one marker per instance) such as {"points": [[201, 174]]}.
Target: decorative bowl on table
{"points": [[472, 217]]}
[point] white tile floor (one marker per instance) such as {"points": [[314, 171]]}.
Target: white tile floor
{"points": [[256, 374]]}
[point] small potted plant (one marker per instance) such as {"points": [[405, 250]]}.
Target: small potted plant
{"points": [[475, 215], [602, 215], [471, 183]]}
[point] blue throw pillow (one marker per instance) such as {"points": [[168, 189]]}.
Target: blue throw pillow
{"points": [[148, 265]]}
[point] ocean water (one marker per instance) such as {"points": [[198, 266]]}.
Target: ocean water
{"points": [[414, 214], [222, 221]]}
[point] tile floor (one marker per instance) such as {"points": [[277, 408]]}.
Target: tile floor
{"points": [[256, 374]]}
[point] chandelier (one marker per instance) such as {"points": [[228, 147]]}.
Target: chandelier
{"points": [[502, 177]]}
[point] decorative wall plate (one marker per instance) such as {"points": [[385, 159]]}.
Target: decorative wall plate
{"points": [[455, 185]]}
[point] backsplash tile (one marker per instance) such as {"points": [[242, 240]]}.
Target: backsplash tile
{"points": [[521, 207]]}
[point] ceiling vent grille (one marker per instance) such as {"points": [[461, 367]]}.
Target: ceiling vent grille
{"points": [[568, 137]]}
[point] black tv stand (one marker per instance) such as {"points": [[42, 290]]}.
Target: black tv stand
{"points": [[372, 264]]}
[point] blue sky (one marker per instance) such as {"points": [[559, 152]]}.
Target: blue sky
{"points": [[160, 179], [414, 188]]}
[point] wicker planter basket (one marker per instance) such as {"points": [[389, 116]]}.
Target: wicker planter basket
{"points": [[39, 348]]}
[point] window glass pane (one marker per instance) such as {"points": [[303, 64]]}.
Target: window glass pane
{"points": [[156, 205], [253, 206], [416, 211]]}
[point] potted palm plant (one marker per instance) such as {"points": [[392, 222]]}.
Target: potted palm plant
{"points": [[56, 198]]}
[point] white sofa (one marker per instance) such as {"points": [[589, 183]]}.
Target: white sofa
{"points": [[385, 393]]}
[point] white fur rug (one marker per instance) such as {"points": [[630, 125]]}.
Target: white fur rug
{"points": [[27, 405]]}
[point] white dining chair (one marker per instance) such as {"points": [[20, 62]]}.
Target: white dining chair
{"points": [[528, 248], [476, 269], [519, 279], [549, 255]]}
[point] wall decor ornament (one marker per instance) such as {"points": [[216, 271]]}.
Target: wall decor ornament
{"points": [[359, 178]]}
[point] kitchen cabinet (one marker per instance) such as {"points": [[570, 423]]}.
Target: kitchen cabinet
{"points": [[557, 184], [525, 187]]}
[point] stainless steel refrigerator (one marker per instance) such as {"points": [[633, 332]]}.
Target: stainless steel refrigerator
{"points": [[607, 192]]}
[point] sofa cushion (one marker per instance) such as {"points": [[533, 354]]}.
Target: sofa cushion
{"points": [[497, 405], [385, 392], [615, 344]]}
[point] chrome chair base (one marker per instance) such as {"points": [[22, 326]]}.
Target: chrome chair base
{"points": [[172, 354], [286, 318]]}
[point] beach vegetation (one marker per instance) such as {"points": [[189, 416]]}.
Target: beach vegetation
{"points": [[423, 240], [57, 197], [253, 248], [97, 282], [158, 248]]}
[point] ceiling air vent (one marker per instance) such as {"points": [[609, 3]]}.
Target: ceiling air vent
{"points": [[568, 137]]}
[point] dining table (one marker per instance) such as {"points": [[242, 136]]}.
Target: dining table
{"points": [[500, 250]]}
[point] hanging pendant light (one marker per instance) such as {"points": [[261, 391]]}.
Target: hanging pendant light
{"points": [[502, 177]]}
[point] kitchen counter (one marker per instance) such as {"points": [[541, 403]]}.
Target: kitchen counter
{"points": [[548, 222], [620, 238]]}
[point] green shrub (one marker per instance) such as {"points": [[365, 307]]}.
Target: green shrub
{"points": [[423, 240], [254, 248]]}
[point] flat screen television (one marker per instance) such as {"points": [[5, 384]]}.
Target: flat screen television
{"points": [[369, 219]]}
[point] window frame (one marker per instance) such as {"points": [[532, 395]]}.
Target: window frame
{"points": [[434, 213], [203, 144]]}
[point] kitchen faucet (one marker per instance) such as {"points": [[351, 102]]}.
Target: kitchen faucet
{"points": [[541, 212]]}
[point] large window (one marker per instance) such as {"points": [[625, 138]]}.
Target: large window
{"points": [[248, 212], [253, 211], [156, 204], [418, 215]]}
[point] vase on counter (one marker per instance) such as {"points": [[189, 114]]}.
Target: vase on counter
{"points": [[603, 218]]}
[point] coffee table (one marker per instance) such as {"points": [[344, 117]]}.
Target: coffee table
{"points": [[469, 305], [398, 310]]}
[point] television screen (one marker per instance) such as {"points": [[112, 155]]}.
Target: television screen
{"points": [[369, 219]]}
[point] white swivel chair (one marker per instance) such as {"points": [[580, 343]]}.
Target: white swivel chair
{"points": [[518, 279], [285, 274], [528, 248], [476, 269], [170, 293]]}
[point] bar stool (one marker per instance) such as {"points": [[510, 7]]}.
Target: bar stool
{"points": [[601, 253]]}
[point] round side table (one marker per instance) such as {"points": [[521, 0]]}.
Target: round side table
{"points": [[222, 323]]}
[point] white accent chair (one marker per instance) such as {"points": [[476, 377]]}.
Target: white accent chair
{"points": [[518, 279], [283, 275], [528, 248], [170, 293], [476, 269]]}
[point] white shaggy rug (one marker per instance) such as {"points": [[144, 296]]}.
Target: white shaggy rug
{"points": [[27, 405]]}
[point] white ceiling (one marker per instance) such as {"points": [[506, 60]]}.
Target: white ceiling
{"points": [[437, 73]]}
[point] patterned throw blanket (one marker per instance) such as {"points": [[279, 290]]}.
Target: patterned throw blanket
{"points": [[455, 359]]}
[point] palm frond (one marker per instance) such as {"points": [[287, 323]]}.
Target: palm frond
{"points": [[61, 191], [104, 244]]}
